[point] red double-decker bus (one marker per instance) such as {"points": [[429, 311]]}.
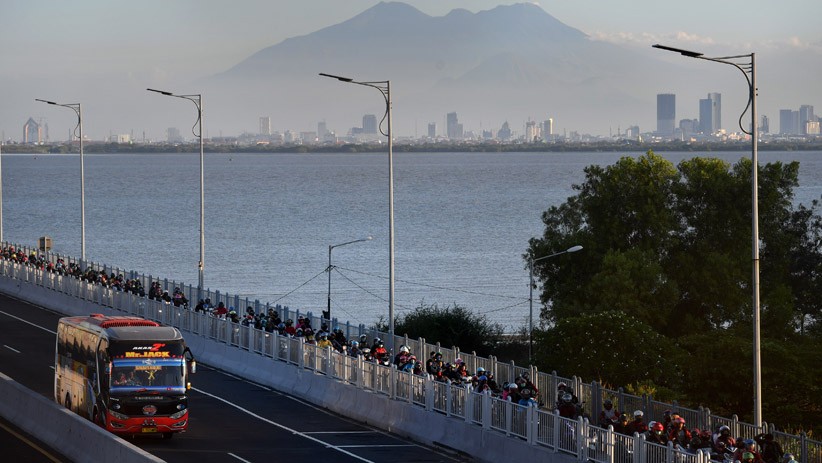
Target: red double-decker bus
{"points": [[127, 374]]}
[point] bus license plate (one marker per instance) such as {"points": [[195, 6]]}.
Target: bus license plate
{"points": [[149, 429]]}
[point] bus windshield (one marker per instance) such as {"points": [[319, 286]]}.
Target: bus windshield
{"points": [[148, 374]]}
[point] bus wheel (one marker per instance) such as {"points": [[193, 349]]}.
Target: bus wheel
{"points": [[168, 435], [67, 403]]}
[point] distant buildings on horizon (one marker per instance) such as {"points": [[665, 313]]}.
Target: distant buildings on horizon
{"points": [[792, 123]]}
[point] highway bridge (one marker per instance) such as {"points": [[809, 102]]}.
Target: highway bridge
{"points": [[232, 419]]}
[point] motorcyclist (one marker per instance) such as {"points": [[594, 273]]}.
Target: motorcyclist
{"points": [[678, 433], [567, 408], [609, 416], [771, 449], [638, 425], [724, 436], [656, 434]]}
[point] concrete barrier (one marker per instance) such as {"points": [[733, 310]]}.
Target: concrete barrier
{"points": [[59, 428], [375, 409]]}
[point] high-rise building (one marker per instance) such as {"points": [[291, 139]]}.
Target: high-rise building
{"points": [[788, 122], [265, 126], [369, 124], [173, 135], [504, 132], [322, 131], [764, 124], [688, 127], [710, 114], [805, 116], [548, 129], [432, 130], [453, 128], [665, 114], [532, 132], [32, 132]]}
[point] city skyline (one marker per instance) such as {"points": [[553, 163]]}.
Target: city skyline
{"points": [[174, 46]]}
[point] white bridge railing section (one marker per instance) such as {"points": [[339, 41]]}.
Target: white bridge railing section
{"points": [[536, 425]]}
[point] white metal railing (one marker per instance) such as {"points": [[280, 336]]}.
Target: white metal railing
{"points": [[537, 426]]}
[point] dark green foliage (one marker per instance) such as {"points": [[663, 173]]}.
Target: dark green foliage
{"points": [[668, 251], [452, 326]]}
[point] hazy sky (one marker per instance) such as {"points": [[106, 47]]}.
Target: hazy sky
{"points": [[51, 48]]}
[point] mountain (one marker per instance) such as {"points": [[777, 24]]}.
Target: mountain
{"points": [[511, 62]]}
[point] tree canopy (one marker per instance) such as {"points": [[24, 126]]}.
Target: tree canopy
{"points": [[667, 270]]}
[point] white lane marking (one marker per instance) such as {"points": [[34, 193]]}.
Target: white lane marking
{"points": [[241, 459], [283, 427], [373, 446], [28, 322], [343, 432], [11, 348]]}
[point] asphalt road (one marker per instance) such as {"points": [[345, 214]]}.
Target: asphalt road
{"points": [[232, 420]]}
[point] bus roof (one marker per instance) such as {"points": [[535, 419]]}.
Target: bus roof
{"points": [[125, 328]]}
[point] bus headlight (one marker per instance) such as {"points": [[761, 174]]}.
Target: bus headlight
{"points": [[117, 415], [179, 414]]}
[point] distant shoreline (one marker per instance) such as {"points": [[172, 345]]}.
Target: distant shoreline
{"points": [[605, 147]]}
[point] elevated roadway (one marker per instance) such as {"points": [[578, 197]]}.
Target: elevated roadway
{"points": [[232, 420]]}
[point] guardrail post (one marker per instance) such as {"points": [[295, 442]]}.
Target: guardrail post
{"points": [[448, 398], [392, 378], [429, 394], [639, 448], [581, 435], [509, 417], [531, 426], [735, 425], [803, 446], [360, 371], [669, 452], [557, 424], [610, 444], [300, 352], [469, 406], [486, 411]]}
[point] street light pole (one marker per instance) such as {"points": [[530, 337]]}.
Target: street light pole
{"points": [[197, 99], [531, 262], [78, 130], [384, 87], [747, 65], [327, 314]]}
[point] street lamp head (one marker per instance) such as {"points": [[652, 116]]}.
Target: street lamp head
{"points": [[692, 54], [160, 92], [45, 101], [574, 248], [341, 79]]}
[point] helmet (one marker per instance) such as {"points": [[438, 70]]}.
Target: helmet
{"points": [[484, 378], [512, 386], [747, 456], [788, 457], [363, 338], [724, 430], [438, 355], [567, 398], [377, 340], [607, 403], [638, 414], [480, 370], [561, 386], [404, 348], [623, 417], [657, 428], [458, 361], [354, 344], [749, 444], [366, 350], [678, 420], [323, 336]]}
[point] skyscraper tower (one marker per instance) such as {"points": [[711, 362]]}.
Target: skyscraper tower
{"points": [[665, 114], [805, 116], [453, 127], [265, 126], [369, 124], [710, 114]]}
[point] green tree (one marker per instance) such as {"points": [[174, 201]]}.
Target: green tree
{"points": [[452, 326], [670, 248]]}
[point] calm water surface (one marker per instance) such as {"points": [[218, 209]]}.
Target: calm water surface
{"points": [[462, 221]]}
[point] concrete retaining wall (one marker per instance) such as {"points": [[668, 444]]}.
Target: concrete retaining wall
{"points": [[365, 406], [57, 427]]}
